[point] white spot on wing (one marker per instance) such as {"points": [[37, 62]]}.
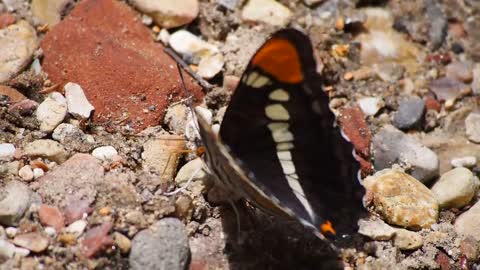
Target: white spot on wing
{"points": [[279, 95], [300, 194], [280, 132], [287, 166], [284, 146], [260, 81], [277, 112], [284, 155], [252, 77]]}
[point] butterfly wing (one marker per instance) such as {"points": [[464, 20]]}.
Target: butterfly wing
{"points": [[280, 127]]}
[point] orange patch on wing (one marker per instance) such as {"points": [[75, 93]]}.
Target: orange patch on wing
{"points": [[327, 227], [279, 58]]}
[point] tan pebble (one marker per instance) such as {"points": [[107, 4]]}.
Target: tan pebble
{"points": [[122, 242], [348, 76], [156, 29], [340, 23], [407, 240], [105, 211], [68, 239]]}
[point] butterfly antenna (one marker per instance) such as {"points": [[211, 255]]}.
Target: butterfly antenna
{"points": [[186, 185]]}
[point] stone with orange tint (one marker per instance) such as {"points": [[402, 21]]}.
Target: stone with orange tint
{"points": [[123, 72], [352, 120]]}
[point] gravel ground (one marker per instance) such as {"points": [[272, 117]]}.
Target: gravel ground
{"points": [[95, 134]]}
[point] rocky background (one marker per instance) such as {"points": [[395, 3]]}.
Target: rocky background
{"points": [[97, 142]]}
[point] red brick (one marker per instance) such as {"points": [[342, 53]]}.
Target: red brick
{"points": [[356, 128], [103, 46]]}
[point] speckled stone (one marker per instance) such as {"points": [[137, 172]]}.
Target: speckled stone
{"points": [[401, 199]]}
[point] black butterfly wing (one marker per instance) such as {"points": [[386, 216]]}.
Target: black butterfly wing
{"points": [[280, 127]]}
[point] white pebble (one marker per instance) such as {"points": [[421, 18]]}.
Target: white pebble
{"points": [[266, 11], [77, 227], [23, 252], [11, 232], [26, 173], [467, 162], [37, 172], [7, 151], [164, 36], [77, 103], [104, 153], [187, 43], [51, 112], [370, 105], [50, 231], [7, 249]]}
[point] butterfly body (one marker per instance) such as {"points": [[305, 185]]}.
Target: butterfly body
{"points": [[277, 146]]}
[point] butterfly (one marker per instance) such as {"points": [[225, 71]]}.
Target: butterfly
{"points": [[278, 147]]}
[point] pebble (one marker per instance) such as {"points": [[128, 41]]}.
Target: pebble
{"points": [[14, 202], [401, 199], [407, 240], [467, 162], [17, 45], [391, 146], [77, 103], [472, 127], [410, 113], [135, 217], [37, 173], [105, 153], [7, 151], [476, 79], [6, 19], [12, 93], [97, 239], [210, 65], [166, 244], [370, 105], [77, 228], [122, 242], [23, 252], [459, 71], [447, 89], [176, 118], [375, 229], [162, 154], [469, 247], [455, 188], [73, 136], [11, 232], [164, 36], [356, 128], [26, 173], [266, 11], [48, 11], [50, 231], [24, 107], [187, 171], [7, 250], [67, 239], [31, 241], [183, 207], [169, 13], [389, 72], [51, 216], [76, 209], [46, 149], [51, 112], [468, 223], [363, 73]]}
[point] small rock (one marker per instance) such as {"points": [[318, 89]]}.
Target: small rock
{"points": [[467, 162], [47, 149], [183, 207], [401, 199], [176, 118], [97, 239], [459, 71], [375, 229], [211, 65], [6, 19], [476, 79], [51, 112], [26, 173], [67, 239], [31, 241], [370, 105], [135, 217], [12, 93], [166, 244], [105, 153], [433, 104], [162, 154], [48, 11], [410, 113], [77, 228], [122, 242], [51, 216], [17, 44], [389, 72], [266, 11], [455, 188], [14, 202], [76, 209], [11, 232], [7, 151], [164, 36], [74, 137], [392, 146], [77, 102], [448, 89], [168, 13], [51, 231], [23, 252], [356, 128], [470, 248], [363, 73], [472, 127], [193, 169], [7, 250], [24, 107], [468, 223], [37, 173], [407, 240]]}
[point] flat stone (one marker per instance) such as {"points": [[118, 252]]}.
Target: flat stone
{"points": [[470, 248], [356, 128], [389, 72], [77, 228], [162, 154], [51, 112], [7, 250], [17, 44], [122, 51], [7, 151], [6, 19], [447, 89], [48, 11], [211, 65], [468, 223], [407, 240], [266, 11], [163, 246], [105, 153], [472, 127], [47, 149], [169, 13], [31, 241], [14, 201], [24, 107], [391, 146], [176, 118], [375, 229], [459, 71], [73, 137], [77, 209], [466, 161], [12, 93], [97, 239], [51, 216], [192, 170], [455, 188], [410, 113], [370, 105], [76, 179], [401, 199], [77, 102]]}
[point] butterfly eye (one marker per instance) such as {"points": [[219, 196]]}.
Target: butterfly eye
{"points": [[327, 227]]}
